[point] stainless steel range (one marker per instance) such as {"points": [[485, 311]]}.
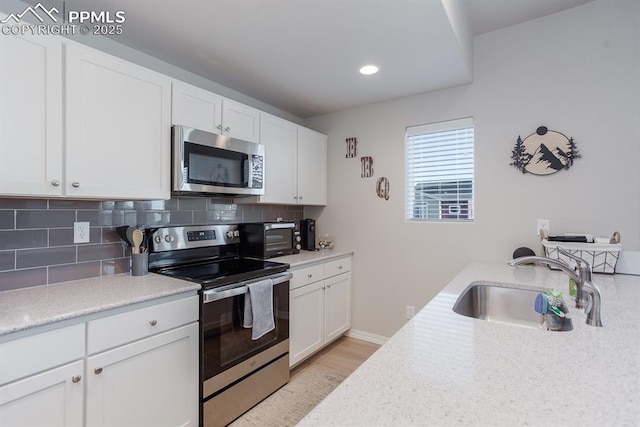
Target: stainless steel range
{"points": [[236, 370]]}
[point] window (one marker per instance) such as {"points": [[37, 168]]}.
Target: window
{"points": [[439, 167]]}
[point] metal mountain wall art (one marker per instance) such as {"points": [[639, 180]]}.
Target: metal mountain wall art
{"points": [[544, 152]]}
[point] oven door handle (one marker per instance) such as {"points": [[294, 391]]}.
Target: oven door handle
{"points": [[241, 287], [279, 225]]}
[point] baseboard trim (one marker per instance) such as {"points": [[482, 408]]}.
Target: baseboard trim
{"points": [[366, 336]]}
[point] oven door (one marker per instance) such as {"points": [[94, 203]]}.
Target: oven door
{"points": [[228, 352]]}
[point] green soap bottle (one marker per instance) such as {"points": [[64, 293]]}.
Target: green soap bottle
{"points": [[572, 288]]}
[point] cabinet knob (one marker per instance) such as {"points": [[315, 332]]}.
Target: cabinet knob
{"points": [[76, 379], [309, 276], [300, 197], [97, 371], [295, 197], [339, 267], [227, 129], [75, 184], [55, 183], [153, 322], [219, 127], [328, 286]]}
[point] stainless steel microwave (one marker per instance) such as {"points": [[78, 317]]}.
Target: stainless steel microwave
{"points": [[210, 164]]}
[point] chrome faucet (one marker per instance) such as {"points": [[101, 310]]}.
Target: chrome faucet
{"points": [[587, 295]]}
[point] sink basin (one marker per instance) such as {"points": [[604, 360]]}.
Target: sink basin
{"points": [[504, 303]]}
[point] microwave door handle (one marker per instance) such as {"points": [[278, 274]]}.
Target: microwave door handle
{"points": [[214, 295], [279, 225]]}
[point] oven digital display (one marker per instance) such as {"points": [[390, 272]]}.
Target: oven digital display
{"points": [[194, 236]]}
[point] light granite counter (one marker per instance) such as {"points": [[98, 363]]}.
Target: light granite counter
{"points": [[445, 369], [312, 257], [23, 309]]}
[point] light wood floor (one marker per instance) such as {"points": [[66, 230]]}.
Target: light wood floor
{"points": [[343, 355]]}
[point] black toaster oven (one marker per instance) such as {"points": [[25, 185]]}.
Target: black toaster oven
{"points": [[269, 239]]}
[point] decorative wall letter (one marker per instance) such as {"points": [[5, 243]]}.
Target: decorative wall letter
{"points": [[366, 164], [352, 147], [382, 188]]}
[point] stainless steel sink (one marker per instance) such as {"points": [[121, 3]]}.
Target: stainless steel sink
{"points": [[504, 303]]}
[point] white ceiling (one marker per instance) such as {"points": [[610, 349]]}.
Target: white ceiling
{"points": [[303, 56]]}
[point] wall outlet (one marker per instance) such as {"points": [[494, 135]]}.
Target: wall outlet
{"points": [[80, 232], [543, 224], [411, 311]]}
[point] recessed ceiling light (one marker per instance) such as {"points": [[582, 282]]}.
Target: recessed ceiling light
{"points": [[369, 69]]}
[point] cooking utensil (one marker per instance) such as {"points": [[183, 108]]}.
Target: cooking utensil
{"points": [[136, 238]]}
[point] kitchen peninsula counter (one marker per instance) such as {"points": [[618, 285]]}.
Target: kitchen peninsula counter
{"points": [[442, 368], [28, 308]]}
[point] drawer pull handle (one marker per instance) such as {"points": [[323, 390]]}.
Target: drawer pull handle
{"points": [[153, 322], [76, 379], [97, 371]]}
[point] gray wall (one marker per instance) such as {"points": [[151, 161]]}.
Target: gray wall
{"points": [[36, 235], [576, 72]]}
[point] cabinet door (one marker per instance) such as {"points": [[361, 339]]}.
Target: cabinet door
{"points": [[196, 108], [280, 139], [117, 127], [337, 312], [240, 121], [312, 167], [151, 382], [30, 115], [306, 321], [52, 398]]}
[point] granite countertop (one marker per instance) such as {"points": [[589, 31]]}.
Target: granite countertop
{"points": [[312, 257], [442, 368], [27, 308]]}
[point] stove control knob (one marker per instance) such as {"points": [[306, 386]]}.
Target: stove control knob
{"points": [[298, 238], [236, 233], [298, 246], [158, 239], [168, 238]]}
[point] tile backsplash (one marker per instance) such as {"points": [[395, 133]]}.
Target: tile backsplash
{"points": [[36, 235]]}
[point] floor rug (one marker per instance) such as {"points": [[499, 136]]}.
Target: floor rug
{"points": [[287, 406]]}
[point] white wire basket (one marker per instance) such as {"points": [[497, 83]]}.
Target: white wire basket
{"points": [[603, 257]]}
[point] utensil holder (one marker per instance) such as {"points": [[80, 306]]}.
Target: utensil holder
{"points": [[140, 264]]}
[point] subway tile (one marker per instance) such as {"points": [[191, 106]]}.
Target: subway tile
{"points": [[65, 273], [102, 218], [44, 219], [107, 205], [192, 204], [122, 205], [22, 239], [7, 221], [151, 205], [61, 237], [116, 266], [23, 204], [99, 252], [7, 260], [153, 218], [18, 279], [217, 205], [252, 216], [74, 204], [109, 235], [28, 258], [130, 219], [181, 217]]}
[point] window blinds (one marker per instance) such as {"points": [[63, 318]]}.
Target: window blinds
{"points": [[439, 171]]}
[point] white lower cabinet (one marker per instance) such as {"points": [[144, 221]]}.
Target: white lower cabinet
{"points": [[151, 382], [320, 300], [144, 374], [52, 398]]}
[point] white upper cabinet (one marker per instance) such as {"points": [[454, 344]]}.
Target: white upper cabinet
{"points": [[117, 127], [200, 109], [30, 115], [196, 108], [312, 167], [295, 164], [280, 139]]}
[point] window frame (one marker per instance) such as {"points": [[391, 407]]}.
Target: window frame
{"points": [[459, 185]]}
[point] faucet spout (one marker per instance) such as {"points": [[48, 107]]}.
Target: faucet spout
{"points": [[587, 292]]}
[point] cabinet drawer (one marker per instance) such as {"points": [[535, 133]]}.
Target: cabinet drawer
{"points": [[29, 355], [306, 275], [339, 266], [119, 329]]}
